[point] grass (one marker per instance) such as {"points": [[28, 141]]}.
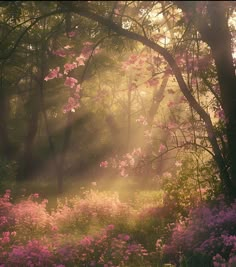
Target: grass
{"points": [[127, 188]]}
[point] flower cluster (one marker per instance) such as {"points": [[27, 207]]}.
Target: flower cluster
{"points": [[127, 163], [95, 208], [104, 249], [97, 229], [30, 217], [5, 209], [87, 50], [209, 231]]}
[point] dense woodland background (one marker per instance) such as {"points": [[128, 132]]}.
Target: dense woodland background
{"points": [[149, 53]]}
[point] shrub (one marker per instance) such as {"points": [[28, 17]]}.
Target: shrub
{"points": [[31, 218], [34, 253], [95, 208], [104, 249], [210, 230], [152, 223], [5, 208]]}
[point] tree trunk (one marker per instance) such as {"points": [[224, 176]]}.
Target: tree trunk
{"points": [[222, 54], [6, 148], [215, 32], [66, 142], [57, 164], [26, 166], [218, 37]]}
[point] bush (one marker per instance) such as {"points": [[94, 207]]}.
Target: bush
{"points": [[5, 209], [209, 230], [31, 218], [94, 209]]}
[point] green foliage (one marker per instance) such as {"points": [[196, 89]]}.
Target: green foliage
{"points": [[149, 198], [93, 210], [190, 185], [8, 171]]}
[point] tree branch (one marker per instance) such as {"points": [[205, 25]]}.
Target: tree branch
{"points": [[85, 12]]}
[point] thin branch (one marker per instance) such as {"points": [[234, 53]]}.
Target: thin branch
{"points": [[176, 71], [182, 146]]}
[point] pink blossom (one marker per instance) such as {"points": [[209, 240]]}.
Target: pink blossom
{"points": [[123, 173], [132, 162], [162, 148], [153, 82], [71, 34], [117, 11], [78, 88], [67, 47], [86, 241], [178, 164], [171, 104], [220, 114], [142, 120], [71, 105], [59, 52], [68, 67], [125, 66], [80, 60], [54, 228], [70, 81], [110, 227], [5, 237], [123, 163], [126, 237], [172, 125], [52, 74], [13, 233], [132, 59], [86, 50], [182, 99], [76, 96], [158, 243], [168, 72], [88, 43], [137, 152], [167, 174], [104, 164]]}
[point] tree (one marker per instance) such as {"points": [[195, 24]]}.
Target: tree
{"points": [[211, 21]]}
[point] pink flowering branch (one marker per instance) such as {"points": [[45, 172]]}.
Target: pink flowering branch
{"points": [[220, 160]]}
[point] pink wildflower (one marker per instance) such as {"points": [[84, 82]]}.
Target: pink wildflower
{"points": [[110, 227]]}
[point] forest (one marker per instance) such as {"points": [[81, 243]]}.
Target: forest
{"points": [[117, 134]]}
